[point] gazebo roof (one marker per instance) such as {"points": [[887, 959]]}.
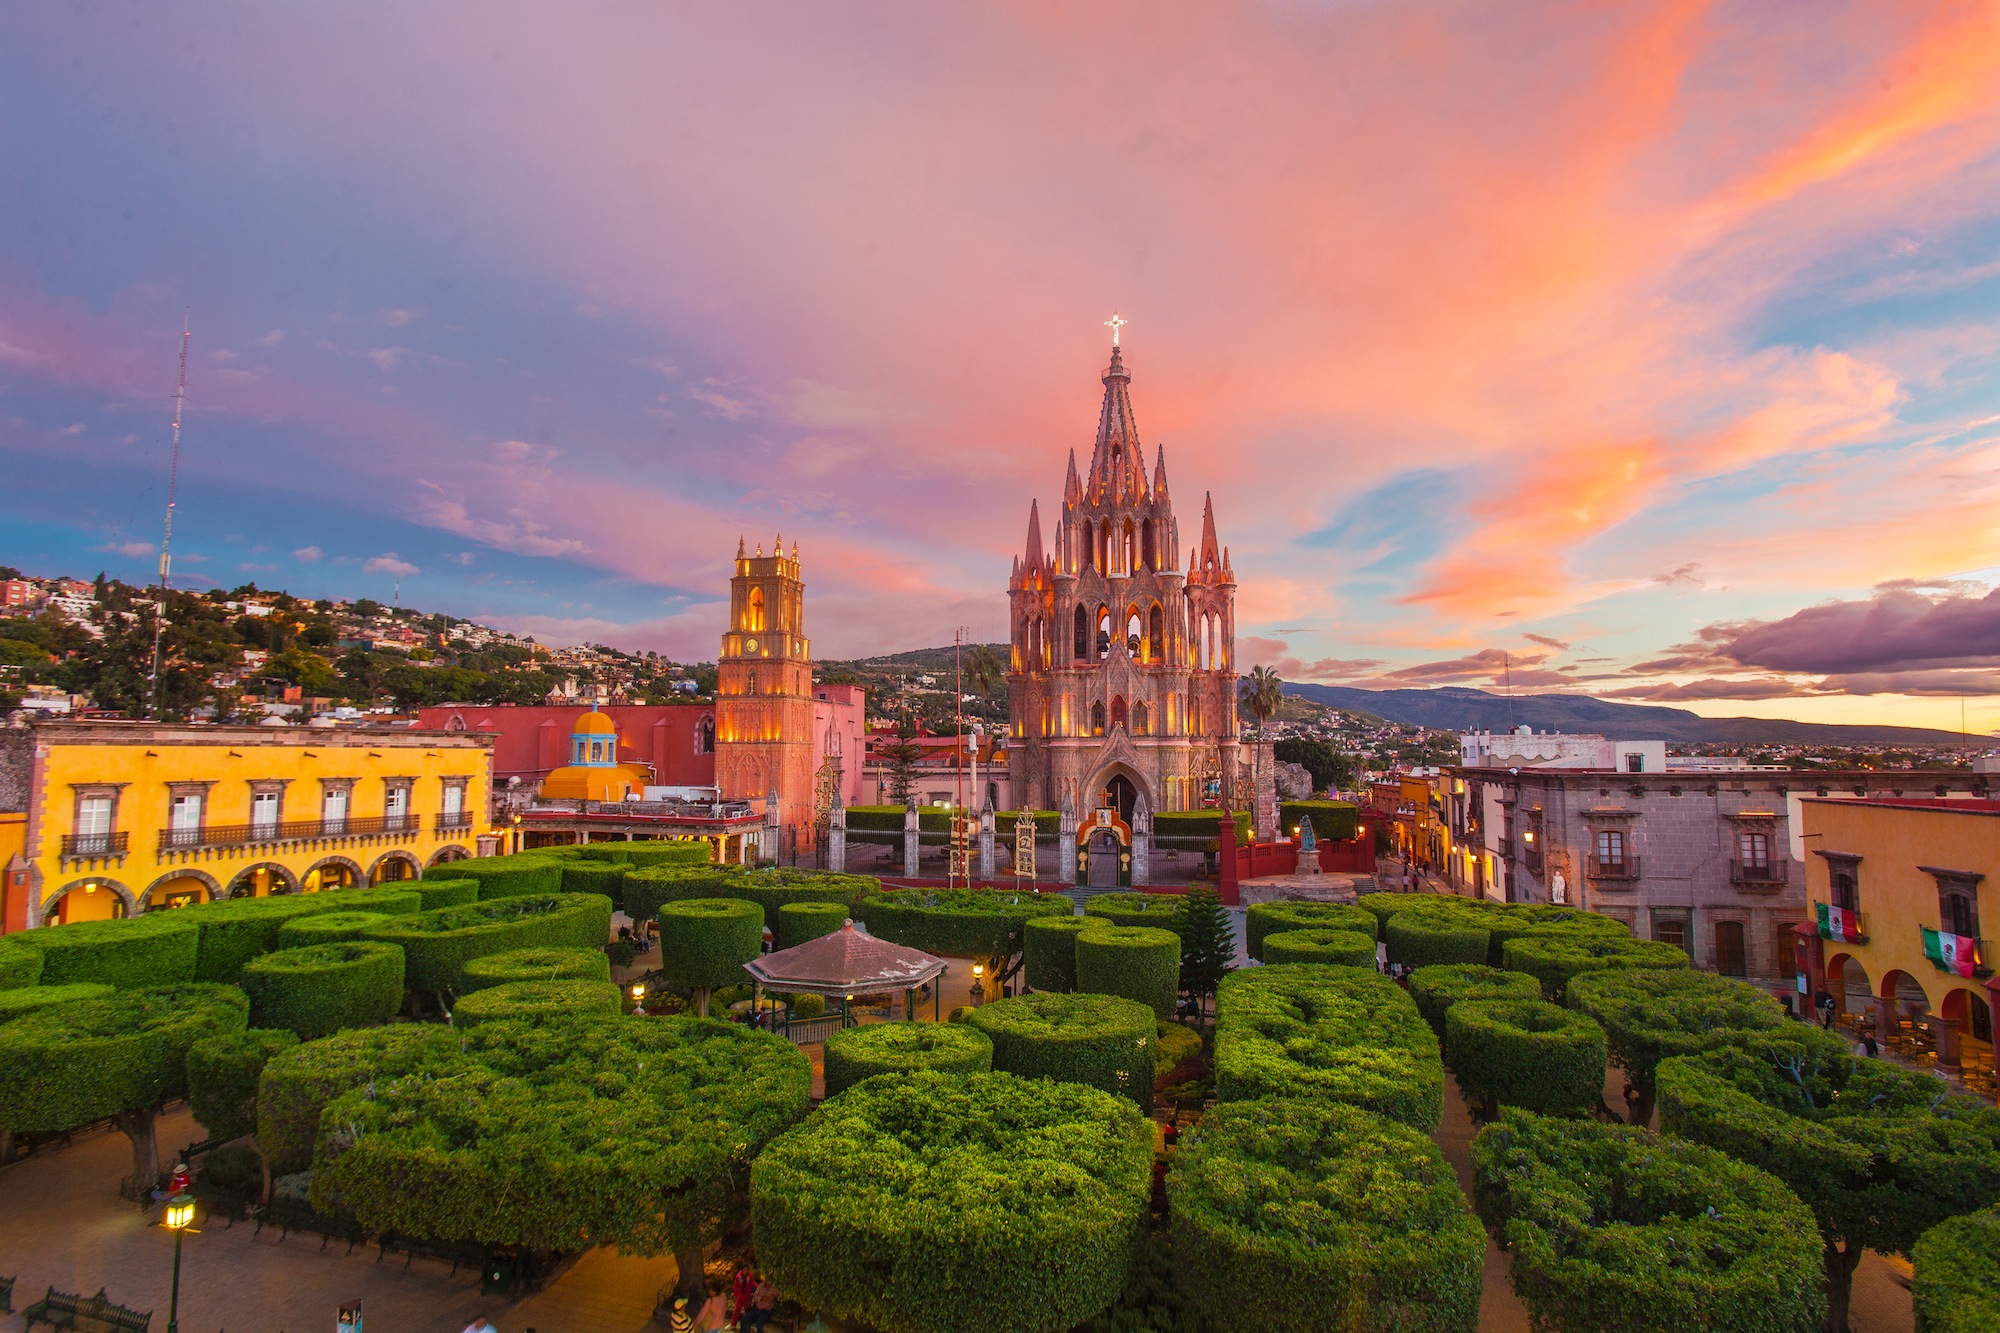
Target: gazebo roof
{"points": [[845, 962]]}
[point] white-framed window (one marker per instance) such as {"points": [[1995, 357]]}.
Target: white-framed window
{"points": [[264, 811], [333, 809], [454, 799], [93, 816]]}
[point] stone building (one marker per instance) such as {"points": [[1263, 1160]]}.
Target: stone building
{"points": [[764, 692], [1122, 679]]}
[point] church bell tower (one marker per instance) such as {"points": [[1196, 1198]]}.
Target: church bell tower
{"points": [[764, 697]]}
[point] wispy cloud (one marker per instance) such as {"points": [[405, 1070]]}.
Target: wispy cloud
{"points": [[389, 563]]}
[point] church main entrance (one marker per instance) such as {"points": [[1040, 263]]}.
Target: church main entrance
{"points": [[1104, 852]]}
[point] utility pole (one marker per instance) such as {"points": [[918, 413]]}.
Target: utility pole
{"points": [[167, 537]]}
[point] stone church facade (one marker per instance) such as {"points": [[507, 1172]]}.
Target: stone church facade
{"points": [[1122, 680], [764, 692]]}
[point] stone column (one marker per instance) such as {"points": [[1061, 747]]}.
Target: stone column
{"points": [[1944, 1032], [986, 841], [767, 837], [1225, 854], [1885, 1018], [910, 838], [836, 835], [1066, 841], [1142, 841]]}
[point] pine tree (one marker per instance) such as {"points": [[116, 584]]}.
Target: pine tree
{"points": [[1208, 942]]}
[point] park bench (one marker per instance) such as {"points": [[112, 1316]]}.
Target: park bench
{"points": [[289, 1216], [62, 1309], [454, 1253]]}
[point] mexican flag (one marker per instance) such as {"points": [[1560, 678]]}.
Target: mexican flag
{"points": [[1951, 953], [1835, 924]]}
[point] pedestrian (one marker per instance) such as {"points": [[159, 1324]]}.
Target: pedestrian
{"points": [[1631, 1103], [1824, 1002], [761, 1304], [680, 1321], [1870, 1046]]}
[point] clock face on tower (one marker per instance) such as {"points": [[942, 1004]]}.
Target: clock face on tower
{"points": [[749, 645]]}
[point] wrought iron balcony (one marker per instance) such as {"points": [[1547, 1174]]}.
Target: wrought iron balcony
{"points": [[453, 819], [1504, 847], [78, 845], [1626, 868], [1760, 875], [291, 830]]}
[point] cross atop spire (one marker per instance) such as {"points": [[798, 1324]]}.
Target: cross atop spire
{"points": [[1115, 324]]}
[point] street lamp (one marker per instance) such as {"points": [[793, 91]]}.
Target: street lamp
{"points": [[179, 1219]]}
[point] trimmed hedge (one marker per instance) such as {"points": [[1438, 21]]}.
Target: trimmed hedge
{"points": [[539, 1002], [1135, 909], [20, 964], [934, 1203], [1514, 921], [222, 1074], [1100, 1041], [319, 990], [1177, 1042], [1616, 1228], [1295, 1214], [1048, 950], [648, 852], [1333, 821], [326, 928], [1652, 1014], [589, 875], [13, 1002], [298, 1084], [1526, 1053], [236, 930], [1262, 919], [800, 922], [437, 945], [499, 969], [1556, 960], [904, 1048], [1957, 1284], [1424, 937], [706, 941], [64, 1065], [960, 923], [129, 953], [438, 893], [514, 876], [1349, 948], [1140, 963], [646, 891], [1382, 906], [1197, 830], [1438, 987], [1314, 1030]]}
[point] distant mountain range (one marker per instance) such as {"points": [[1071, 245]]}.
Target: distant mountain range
{"points": [[1454, 708]]}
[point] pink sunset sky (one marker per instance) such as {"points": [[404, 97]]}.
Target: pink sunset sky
{"points": [[1645, 349]]}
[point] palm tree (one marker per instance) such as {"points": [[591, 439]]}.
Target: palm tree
{"points": [[985, 670], [1259, 693]]}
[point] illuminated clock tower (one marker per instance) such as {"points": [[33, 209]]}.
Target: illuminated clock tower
{"points": [[763, 693]]}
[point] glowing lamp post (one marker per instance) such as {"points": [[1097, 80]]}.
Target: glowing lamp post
{"points": [[179, 1219]]}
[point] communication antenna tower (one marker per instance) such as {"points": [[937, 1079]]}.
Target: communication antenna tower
{"points": [[167, 536]]}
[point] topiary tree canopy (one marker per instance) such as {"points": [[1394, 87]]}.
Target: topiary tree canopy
{"points": [[933, 1203], [1140, 963], [130, 953], [1293, 1214], [1879, 1153], [1555, 960], [1613, 1227], [223, 1070], [800, 922], [323, 988], [564, 1136], [297, 1084], [1048, 950], [1957, 1284], [1435, 933], [236, 930], [1651, 1014], [1264, 919], [1315, 1030], [1135, 909], [21, 1000], [539, 1002], [437, 945], [1527, 1053], [511, 876], [1348, 948], [902, 1048], [1438, 987], [1099, 1040], [981, 924], [119, 1056], [433, 894], [498, 969], [326, 928], [704, 943], [1517, 921], [20, 964], [646, 891]]}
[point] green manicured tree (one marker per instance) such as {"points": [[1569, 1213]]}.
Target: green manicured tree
{"points": [[1556, 960], [800, 922], [1526, 1053], [1612, 1227], [1957, 1283], [20, 964], [581, 875], [1438, 987], [1382, 906], [1293, 1214], [298, 1084], [433, 894], [1138, 962], [1262, 919], [1135, 909], [1048, 950], [1879, 1153], [904, 1048], [223, 1070], [498, 969], [20, 1001], [935, 1203], [1098, 1040], [539, 1002], [1208, 942], [511, 876], [1428, 935], [984, 925], [704, 943], [321, 989], [326, 928], [119, 1057], [1651, 1014], [437, 945], [1349, 948], [130, 953], [564, 1135], [236, 930]]}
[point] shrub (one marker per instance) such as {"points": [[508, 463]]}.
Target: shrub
{"points": [[1382, 906], [650, 888], [704, 943], [1957, 1285], [324, 988], [1175, 1044], [1262, 919], [961, 923], [1333, 821], [938, 1202], [1526, 1053], [646, 891], [437, 945], [1048, 950], [1197, 830], [1651, 1014], [800, 922], [1438, 987], [648, 852], [1138, 962], [222, 1074], [1615, 1228], [1515, 921], [326, 928], [1135, 909], [501, 1137], [436, 893], [20, 964], [14, 1002], [298, 1084], [130, 953], [1424, 936], [1313, 1030], [236, 930], [511, 876], [539, 1002], [1100, 1041], [904, 1048], [590, 875], [1348, 948], [1556, 960], [808, 1005], [1315, 1215], [499, 969]]}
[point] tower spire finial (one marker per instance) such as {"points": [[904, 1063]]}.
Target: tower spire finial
{"points": [[1115, 324]]}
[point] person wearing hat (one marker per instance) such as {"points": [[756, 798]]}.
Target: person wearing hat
{"points": [[680, 1321]]}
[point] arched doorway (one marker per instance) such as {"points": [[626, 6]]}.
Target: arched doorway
{"points": [[93, 899], [451, 853], [179, 888], [334, 872], [393, 868], [1901, 999], [1118, 793], [262, 881]]}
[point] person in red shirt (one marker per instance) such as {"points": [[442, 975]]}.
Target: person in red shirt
{"points": [[741, 1291]]}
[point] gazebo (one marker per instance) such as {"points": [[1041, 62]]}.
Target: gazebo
{"points": [[847, 963]]}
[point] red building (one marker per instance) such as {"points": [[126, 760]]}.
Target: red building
{"points": [[677, 741]]}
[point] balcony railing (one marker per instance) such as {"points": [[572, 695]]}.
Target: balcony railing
{"points": [[1623, 869], [1505, 848], [95, 844], [453, 819], [1764, 875], [291, 830]]}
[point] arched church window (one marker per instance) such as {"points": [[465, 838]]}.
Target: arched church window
{"points": [[596, 751], [1097, 719], [1103, 631], [1134, 631], [1130, 560], [1104, 547], [1150, 552], [576, 752], [754, 616], [1156, 634], [704, 736], [1118, 711], [750, 685], [1139, 718], [1082, 635]]}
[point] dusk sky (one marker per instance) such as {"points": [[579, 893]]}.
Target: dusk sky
{"points": [[1642, 349]]}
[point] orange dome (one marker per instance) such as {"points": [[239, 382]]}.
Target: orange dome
{"points": [[594, 723]]}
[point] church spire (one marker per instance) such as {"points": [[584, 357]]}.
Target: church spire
{"points": [[1209, 558], [1117, 456], [1034, 536], [1160, 476]]}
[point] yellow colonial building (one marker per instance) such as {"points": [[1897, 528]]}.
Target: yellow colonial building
{"points": [[103, 819], [1892, 869]]}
